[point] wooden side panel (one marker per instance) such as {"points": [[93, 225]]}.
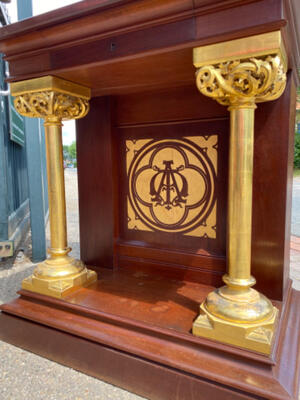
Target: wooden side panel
{"points": [[274, 131], [95, 183]]}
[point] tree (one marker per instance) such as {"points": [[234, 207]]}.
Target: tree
{"points": [[72, 151], [297, 151], [66, 152]]}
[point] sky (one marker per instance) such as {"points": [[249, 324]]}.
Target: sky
{"points": [[40, 7]]}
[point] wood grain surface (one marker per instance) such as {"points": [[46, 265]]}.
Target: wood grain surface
{"points": [[132, 328], [82, 332]]}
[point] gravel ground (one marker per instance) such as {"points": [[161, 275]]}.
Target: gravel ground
{"points": [[24, 375]]}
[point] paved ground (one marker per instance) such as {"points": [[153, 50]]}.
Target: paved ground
{"points": [[296, 208], [26, 376]]}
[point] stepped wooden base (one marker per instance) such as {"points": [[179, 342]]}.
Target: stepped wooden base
{"points": [[134, 331]]}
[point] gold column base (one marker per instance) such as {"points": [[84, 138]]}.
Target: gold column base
{"points": [[60, 285], [256, 336]]}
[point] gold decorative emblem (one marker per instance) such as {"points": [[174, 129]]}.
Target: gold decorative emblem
{"points": [[171, 185]]}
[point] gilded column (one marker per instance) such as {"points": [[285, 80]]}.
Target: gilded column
{"points": [[239, 74], [55, 100]]}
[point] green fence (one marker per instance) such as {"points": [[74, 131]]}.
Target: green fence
{"points": [[13, 166]]}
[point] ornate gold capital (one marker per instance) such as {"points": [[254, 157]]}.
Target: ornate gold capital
{"points": [[239, 74], [242, 83], [50, 98], [242, 72], [51, 105], [54, 100]]}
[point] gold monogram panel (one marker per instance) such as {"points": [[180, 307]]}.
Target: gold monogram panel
{"points": [[171, 185]]}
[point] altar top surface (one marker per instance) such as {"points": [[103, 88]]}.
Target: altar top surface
{"points": [[147, 43]]}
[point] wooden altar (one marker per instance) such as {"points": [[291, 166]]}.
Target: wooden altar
{"points": [[147, 141]]}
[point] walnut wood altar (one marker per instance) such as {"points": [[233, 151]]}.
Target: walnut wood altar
{"points": [[149, 127]]}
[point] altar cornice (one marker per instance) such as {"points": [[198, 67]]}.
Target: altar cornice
{"points": [[150, 9], [78, 41]]}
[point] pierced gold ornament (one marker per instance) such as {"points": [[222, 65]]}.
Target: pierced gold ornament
{"points": [[243, 82], [55, 100], [50, 105], [239, 78]]}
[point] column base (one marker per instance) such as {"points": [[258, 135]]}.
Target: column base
{"points": [[252, 336], [59, 287]]}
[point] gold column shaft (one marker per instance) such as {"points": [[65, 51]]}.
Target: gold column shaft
{"points": [[56, 187], [238, 74], [240, 193], [54, 100]]}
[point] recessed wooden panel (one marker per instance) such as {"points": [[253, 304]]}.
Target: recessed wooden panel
{"points": [[171, 185], [174, 115], [136, 74], [172, 191], [174, 104], [198, 246]]}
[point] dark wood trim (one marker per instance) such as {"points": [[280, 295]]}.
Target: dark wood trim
{"points": [[139, 10], [38, 51], [95, 184], [200, 268], [177, 271], [200, 260], [272, 192], [148, 379], [51, 320], [291, 34], [139, 326]]}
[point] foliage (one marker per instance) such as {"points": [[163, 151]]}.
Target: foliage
{"points": [[297, 136], [66, 152], [297, 151], [70, 152]]}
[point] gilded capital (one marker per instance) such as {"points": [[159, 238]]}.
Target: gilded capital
{"points": [[51, 105], [55, 99], [242, 72], [50, 98], [239, 74], [243, 82]]}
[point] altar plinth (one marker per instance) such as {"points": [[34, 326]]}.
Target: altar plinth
{"points": [[184, 169]]}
